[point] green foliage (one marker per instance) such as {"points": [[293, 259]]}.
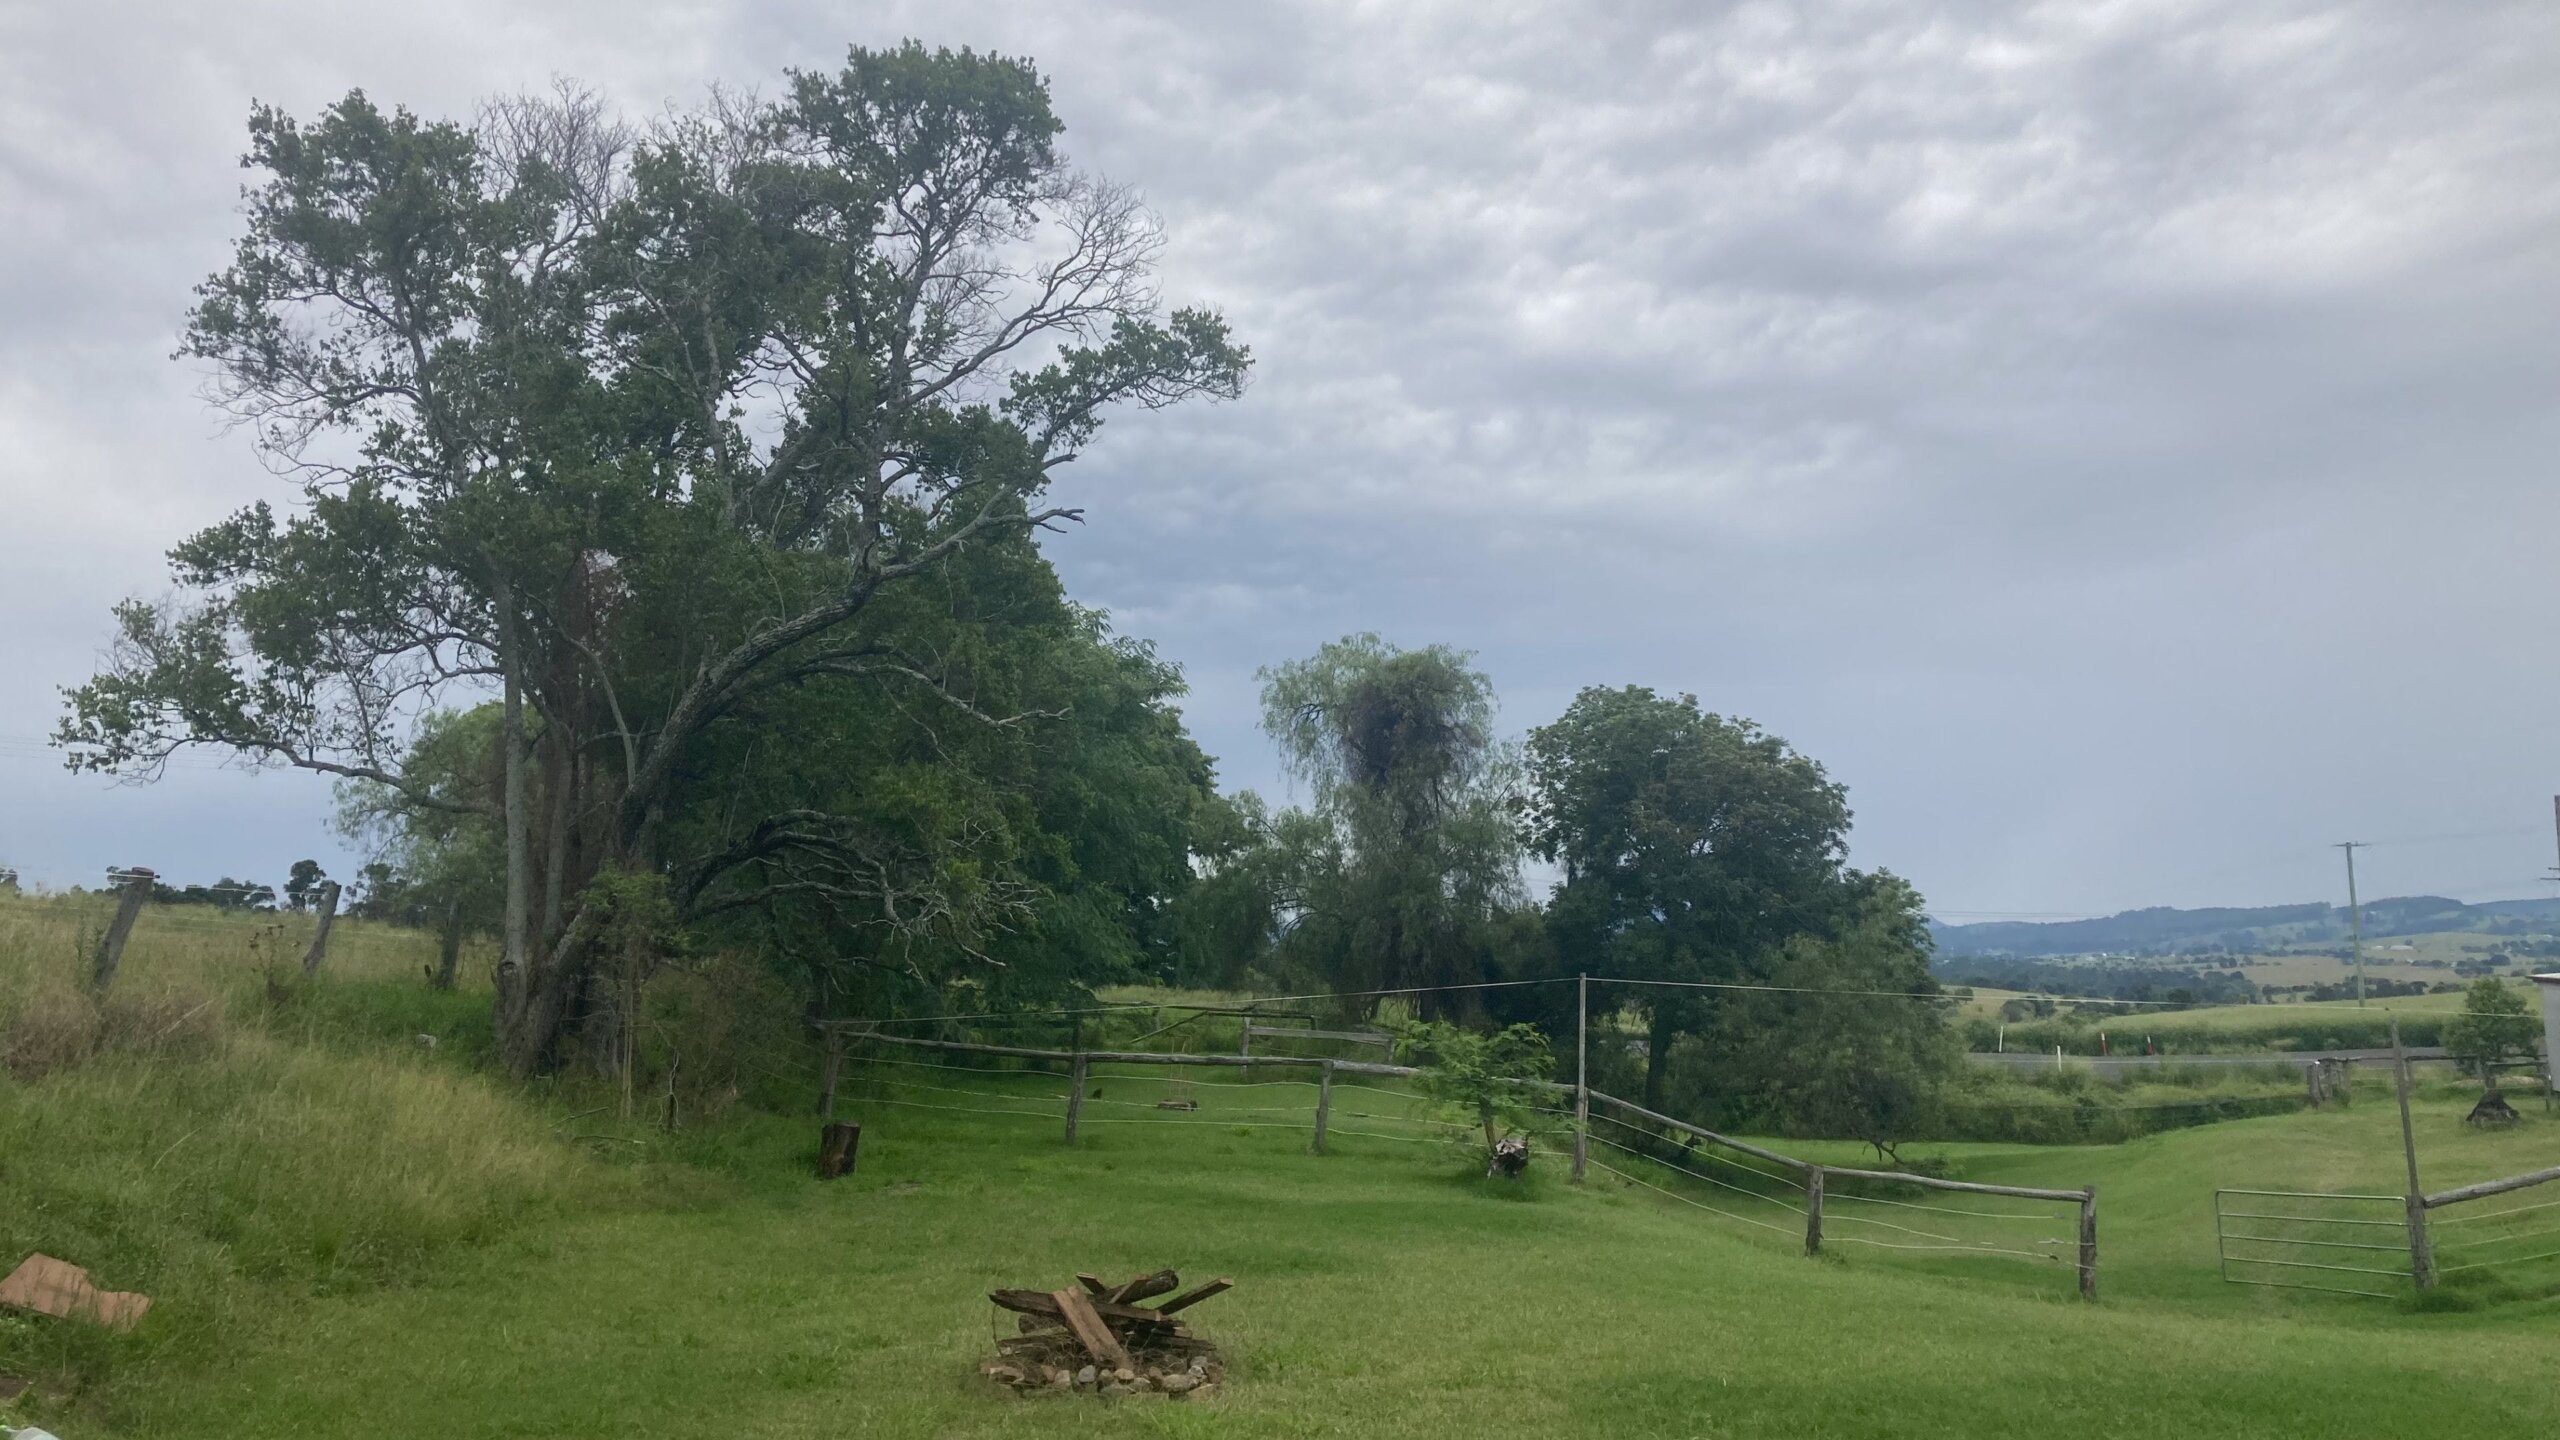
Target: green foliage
{"points": [[1492, 1075], [532, 344], [1838, 1052], [2273, 1027], [1399, 873], [2495, 1024], [1694, 848]]}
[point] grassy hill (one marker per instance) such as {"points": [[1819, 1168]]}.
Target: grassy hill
{"points": [[352, 1235]]}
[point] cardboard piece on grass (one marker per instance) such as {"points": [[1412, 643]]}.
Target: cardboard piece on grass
{"points": [[59, 1288]]}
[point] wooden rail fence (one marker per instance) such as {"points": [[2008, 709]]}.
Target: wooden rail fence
{"points": [[1816, 1176]]}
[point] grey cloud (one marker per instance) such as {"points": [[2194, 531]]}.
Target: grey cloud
{"points": [[2113, 438]]}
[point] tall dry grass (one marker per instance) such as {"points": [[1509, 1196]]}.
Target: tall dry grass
{"points": [[224, 1135]]}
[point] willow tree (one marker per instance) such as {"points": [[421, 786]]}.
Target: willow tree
{"points": [[637, 429], [1393, 877]]}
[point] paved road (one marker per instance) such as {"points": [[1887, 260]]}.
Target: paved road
{"points": [[2025, 1060]]}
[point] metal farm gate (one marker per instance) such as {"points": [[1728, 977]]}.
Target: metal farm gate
{"points": [[2310, 1240]]}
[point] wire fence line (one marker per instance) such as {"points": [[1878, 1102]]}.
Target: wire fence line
{"points": [[1783, 1194], [1825, 1190], [2481, 1243]]}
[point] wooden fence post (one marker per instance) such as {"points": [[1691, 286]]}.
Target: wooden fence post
{"points": [[1581, 1074], [137, 889], [1075, 1093], [2422, 1266], [319, 950], [1324, 1103], [2089, 1243], [1813, 1210], [835, 1067]]}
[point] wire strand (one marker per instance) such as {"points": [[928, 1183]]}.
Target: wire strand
{"points": [[1710, 1179], [1685, 1200]]}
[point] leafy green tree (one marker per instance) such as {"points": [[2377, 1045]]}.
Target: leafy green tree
{"points": [[515, 365], [1397, 874], [1494, 1076], [1693, 847], [2494, 1025], [1836, 1051]]}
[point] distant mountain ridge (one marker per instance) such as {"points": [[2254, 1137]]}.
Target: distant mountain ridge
{"points": [[2167, 930]]}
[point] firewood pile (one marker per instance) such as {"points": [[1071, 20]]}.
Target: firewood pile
{"points": [[1096, 1338]]}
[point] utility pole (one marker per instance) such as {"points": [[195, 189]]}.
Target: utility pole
{"points": [[2555, 830], [2355, 912]]}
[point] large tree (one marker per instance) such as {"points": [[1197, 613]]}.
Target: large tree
{"points": [[1397, 874], [644, 431], [1692, 847]]}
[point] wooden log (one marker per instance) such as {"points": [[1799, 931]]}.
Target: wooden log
{"points": [[1146, 1287], [1096, 1337], [1093, 1284], [1192, 1297], [837, 1146], [1043, 1304]]}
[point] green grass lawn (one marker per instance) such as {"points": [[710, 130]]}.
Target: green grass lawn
{"points": [[1383, 1290], [350, 1234]]}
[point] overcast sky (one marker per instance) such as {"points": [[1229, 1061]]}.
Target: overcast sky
{"points": [[2116, 439]]}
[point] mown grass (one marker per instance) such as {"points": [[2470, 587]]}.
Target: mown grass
{"points": [[353, 1235], [1384, 1291]]}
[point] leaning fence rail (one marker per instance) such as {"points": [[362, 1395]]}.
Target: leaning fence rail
{"points": [[2460, 1249]]}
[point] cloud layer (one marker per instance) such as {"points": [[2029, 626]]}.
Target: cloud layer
{"points": [[2114, 438]]}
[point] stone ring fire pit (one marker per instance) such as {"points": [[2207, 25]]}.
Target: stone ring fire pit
{"points": [[1096, 1339]]}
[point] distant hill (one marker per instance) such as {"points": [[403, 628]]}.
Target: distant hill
{"points": [[2166, 930]]}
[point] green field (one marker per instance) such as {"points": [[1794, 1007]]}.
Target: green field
{"points": [[353, 1235]]}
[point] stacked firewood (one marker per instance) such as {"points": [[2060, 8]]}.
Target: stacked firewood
{"points": [[1095, 1337]]}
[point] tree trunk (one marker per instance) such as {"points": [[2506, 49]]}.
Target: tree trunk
{"points": [[549, 986], [559, 780], [448, 949], [1657, 1053], [515, 978]]}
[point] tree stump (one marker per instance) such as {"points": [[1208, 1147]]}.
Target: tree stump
{"points": [[2493, 1109], [836, 1146]]}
